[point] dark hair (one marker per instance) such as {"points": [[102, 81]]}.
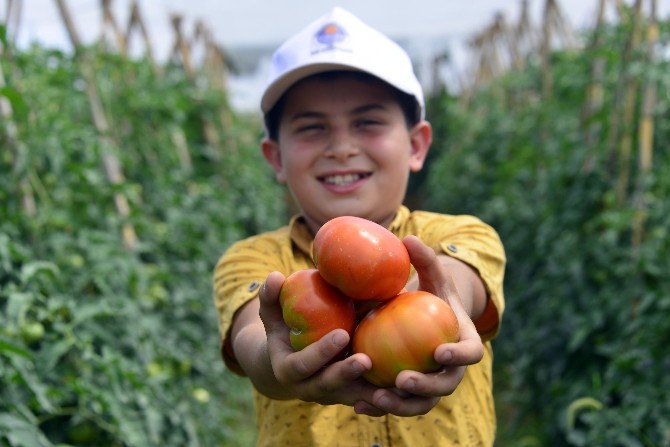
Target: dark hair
{"points": [[409, 105]]}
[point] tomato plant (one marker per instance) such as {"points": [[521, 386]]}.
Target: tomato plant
{"points": [[403, 333], [311, 308], [361, 258]]}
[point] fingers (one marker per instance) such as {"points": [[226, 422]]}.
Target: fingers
{"points": [[297, 366], [385, 401], [270, 310], [424, 260], [290, 366], [440, 383], [339, 382], [467, 351]]}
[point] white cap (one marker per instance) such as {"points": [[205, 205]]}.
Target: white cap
{"points": [[339, 41]]}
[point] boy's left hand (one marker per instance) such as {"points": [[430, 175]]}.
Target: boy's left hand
{"points": [[418, 393]]}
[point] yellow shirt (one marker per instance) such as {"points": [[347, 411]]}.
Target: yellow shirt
{"points": [[465, 418]]}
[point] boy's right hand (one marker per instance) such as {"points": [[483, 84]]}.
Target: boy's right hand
{"points": [[308, 374]]}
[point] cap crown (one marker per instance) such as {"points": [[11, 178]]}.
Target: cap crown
{"points": [[339, 41]]}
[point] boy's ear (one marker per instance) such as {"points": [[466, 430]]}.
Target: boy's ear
{"points": [[272, 155], [421, 137]]}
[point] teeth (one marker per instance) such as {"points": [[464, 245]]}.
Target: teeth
{"points": [[342, 179]]}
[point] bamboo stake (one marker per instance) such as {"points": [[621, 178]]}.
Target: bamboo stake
{"points": [[516, 37], [527, 36], [630, 92], [545, 50], [109, 23], [13, 14], [101, 123], [594, 91], [561, 25], [180, 49], [646, 132], [136, 21]]}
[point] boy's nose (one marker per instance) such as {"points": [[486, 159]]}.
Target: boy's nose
{"points": [[342, 147]]}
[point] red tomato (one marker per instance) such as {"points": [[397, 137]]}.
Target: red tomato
{"points": [[361, 258], [403, 333], [311, 308]]}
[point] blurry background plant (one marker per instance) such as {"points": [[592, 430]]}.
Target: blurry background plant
{"points": [[557, 155], [108, 334]]}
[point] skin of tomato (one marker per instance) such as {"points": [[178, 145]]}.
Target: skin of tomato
{"points": [[403, 333], [361, 258], [311, 308]]}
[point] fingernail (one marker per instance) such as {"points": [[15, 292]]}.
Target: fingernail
{"points": [[357, 367], [339, 340], [383, 402], [446, 357], [410, 385]]}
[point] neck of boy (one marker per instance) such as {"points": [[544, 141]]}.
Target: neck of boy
{"points": [[314, 226]]}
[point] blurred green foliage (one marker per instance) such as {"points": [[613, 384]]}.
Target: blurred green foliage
{"points": [[582, 358], [100, 345]]}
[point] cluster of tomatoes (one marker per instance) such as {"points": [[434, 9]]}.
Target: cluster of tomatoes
{"points": [[359, 286]]}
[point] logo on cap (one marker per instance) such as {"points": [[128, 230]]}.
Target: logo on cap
{"points": [[330, 36]]}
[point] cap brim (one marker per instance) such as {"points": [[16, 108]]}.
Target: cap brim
{"points": [[275, 90]]}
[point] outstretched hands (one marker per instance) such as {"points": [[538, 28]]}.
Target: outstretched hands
{"points": [[417, 393], [313, 375]]}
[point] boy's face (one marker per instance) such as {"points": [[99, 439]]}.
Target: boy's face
{"points": [[344, 148]]}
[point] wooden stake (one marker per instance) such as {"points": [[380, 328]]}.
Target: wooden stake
{"points": [[137, 22], [594, 92], [645, 132], [101, 123], [109, 24], [630, 86], [13, 14], [545, 51], [180, 49]]}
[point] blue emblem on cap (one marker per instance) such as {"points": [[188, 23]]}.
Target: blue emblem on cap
{"points": [[330, 34]]}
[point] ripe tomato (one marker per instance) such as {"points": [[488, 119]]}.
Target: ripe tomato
{"points": [[361, 258], [311, 308], [403, 333]]}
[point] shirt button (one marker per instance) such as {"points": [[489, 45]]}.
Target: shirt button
{"points": [[253, 286], [452, 248]]}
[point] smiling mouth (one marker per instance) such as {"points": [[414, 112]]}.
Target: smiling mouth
{"points": [[343, 179]]}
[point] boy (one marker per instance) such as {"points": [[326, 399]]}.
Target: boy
{"points": [[344, 116]]}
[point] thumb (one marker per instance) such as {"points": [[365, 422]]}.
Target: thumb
{"points": [[432, 277], [270, 311]]}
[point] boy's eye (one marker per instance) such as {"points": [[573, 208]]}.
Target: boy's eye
{"points": [[368, 122], [309, 128]]}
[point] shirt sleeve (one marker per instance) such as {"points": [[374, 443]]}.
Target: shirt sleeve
{"points": [[238, 277], [476, 243]]}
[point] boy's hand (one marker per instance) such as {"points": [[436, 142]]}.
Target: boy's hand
{"points": [[307, 374], [418, 393]]}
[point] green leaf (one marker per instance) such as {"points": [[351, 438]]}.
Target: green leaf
{"points": [[32, 269], [8, 348], [21, 433], [17, 102]]}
